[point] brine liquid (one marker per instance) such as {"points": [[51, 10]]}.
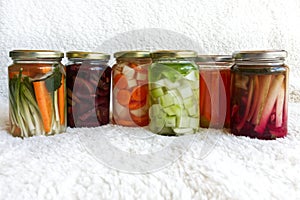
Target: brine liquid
{"points": [[214, 98], [88, 94], [259, 105], [130, 93], [36, 99]]}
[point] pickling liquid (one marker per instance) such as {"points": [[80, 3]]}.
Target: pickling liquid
{"points": [[88, 95], [214, 98], [259, 105]]}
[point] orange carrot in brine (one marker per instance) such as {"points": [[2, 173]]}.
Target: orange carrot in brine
{"points": [[61, 101], [139, 93], [44, 101], [123, 97], [120, 81]]}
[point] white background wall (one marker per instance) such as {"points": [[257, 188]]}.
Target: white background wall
{"points": [[216, 27]]}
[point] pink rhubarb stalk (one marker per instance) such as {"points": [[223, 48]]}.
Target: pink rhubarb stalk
{"points": [[280, 106], [249, 99], [269, 104], [264, 85], [255, 98]]}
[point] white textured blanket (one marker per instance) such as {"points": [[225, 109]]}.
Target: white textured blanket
{"points": [[113, 162]]}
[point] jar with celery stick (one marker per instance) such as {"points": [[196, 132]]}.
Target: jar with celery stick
{"points": [[37, 103], [88, 88], [259, 99], [174, 92], [214, 90], [130, 88]]}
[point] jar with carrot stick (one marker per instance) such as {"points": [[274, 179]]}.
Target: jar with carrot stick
{"points": [[259, 99], [37, 103], [130, 88], [214, 98], [88, 88], [174, 92]]}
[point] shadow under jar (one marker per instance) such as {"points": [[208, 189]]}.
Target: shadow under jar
{"points": [[259, 94], [36, 93], [214, 98], [174, 93], [88, 89], [130, 88]]}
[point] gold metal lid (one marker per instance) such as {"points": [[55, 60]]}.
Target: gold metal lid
{"points": [[214, 58], [260, 55], [173, 54], [132, 54], [88, 55], [35, 54]]}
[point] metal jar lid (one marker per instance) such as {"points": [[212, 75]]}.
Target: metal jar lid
{"points": [[35, 54], [262, 55], [88, 55], [214, 58], [165, 54], [132, 54]]}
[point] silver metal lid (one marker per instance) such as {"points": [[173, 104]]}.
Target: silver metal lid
{"points": [[214, 58], [261, 55]]}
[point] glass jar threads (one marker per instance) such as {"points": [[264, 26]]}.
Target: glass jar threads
{"points": [[214, 90], [88, 88], [259, 99], [130, 88], [36, 93], [174, 93]]}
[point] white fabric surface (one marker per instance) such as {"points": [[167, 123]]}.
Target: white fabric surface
{"points": [[62, 167]]}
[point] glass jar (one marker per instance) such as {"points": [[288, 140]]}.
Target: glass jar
{"points": [[130, 88], [214, 90], [88, 88], [36, 93], [174, 92], [259, 99]]}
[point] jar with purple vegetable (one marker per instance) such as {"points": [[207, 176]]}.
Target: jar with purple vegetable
{"points": [[88, 89], [259, 94]]}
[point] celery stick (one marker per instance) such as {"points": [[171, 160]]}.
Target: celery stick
{"points": [[255, 98], [264, 83], [270, 102], [37, 120], [280, 106], [249, 99]]}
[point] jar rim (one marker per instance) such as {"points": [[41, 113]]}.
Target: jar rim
{"points": [[166, 54], [35, 54], [260, 55], [214, 58], [87, 55], [132, 54]]}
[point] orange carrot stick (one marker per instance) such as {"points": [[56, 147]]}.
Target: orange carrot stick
{"points": [[61, 101], [44, 101]]}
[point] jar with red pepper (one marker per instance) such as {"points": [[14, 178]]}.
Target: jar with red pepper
{"points": [[88, 89], [130, 88], [214, 98]]}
